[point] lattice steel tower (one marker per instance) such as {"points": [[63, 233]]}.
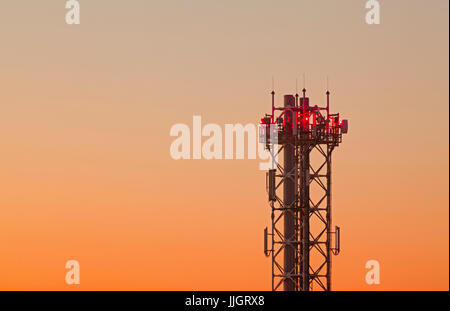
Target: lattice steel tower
{"points": [[299, 190]]}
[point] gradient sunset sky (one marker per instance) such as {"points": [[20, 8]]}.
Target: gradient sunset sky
{"points": [[85, 115]]}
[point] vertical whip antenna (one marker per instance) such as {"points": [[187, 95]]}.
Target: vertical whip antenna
{"points": [[328, 99], [273, 99], [304, 95]]}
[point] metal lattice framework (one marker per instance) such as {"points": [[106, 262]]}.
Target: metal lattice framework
{"points": [[300, 194]]}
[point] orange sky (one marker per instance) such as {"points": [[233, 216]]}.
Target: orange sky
{"points": [[85, 116]]}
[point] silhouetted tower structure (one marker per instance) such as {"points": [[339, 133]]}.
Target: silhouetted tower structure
{"points": [[299, 189]]}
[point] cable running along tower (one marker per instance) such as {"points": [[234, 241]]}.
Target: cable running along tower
{"points": [[299, 190]]}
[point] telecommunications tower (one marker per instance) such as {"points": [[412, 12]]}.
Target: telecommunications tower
{"points": [[299, 190]]}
